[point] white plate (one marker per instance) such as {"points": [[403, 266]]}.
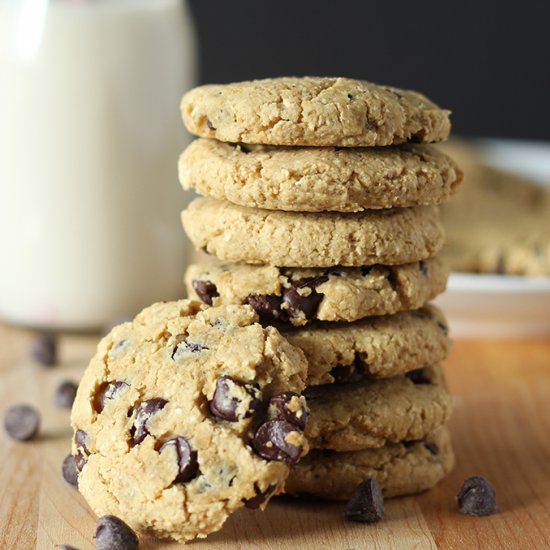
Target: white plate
{"points": [[502, 306]]}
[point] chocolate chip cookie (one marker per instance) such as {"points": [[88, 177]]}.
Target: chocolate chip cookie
{"points": [[299, 296], [318, 179], [316, 111], [376, 347], [295, 239], [400, 468], [499, 223], [360, 415], [187, 414]]}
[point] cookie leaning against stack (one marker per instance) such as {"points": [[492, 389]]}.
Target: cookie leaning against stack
{"points": [[334, 239]]}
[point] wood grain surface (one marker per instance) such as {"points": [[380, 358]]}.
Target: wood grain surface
{"points": [[500, 428]]}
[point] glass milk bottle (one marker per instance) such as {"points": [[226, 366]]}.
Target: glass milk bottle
{"points": [[90, 134]]}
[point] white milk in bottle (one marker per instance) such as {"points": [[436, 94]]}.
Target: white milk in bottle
{"points": [[90, 134]]}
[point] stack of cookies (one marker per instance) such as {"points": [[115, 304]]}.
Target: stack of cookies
{"points": [[321, 203]]}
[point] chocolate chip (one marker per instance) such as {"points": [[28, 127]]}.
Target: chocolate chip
{"points": [[261, 496], [443, 328], [206, 290], [81, 441], [145, 410], [477, 497], [108, 390], [118, 347], [22, 422], [431, 447], [80, 461], [423, 267], [270, 441], [268, 308], [366, 504], [228, 397], [302, 297], [187, 459], [69, 470], [418, 376], [350, 373], [282, 407], [67, 547], [209, 124], [112, 533], [44, 349], [184, 346], [65, 394]]}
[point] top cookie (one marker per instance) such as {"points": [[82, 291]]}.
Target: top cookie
{"points": [[187, 414], [313, 111]]}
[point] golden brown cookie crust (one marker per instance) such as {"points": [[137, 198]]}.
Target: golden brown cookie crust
{"points": [[313, 111], [362, 415], [347, 294], [317, 179], [293, 239], [376, 347], [172, 356], [401, 469]]}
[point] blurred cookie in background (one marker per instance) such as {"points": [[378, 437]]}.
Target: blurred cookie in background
{"points": [[499, 222]]}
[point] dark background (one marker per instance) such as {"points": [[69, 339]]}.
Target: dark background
{"points": [[488, 62]]}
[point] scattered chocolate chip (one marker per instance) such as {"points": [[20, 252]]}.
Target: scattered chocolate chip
{"points": [[281, 407], [418, 376], [268, 308], [477, 497], [270, 441], [65, 394], [209, 124], [350, 373], [423, 267], [112, 533], [350, 97], [108, 390], [22, 422], [187, 459], [261, 496], [431, 447], [302, 296], [443, 328], [67, 547], [228, 396], [145, 410], [44, 349], [206, 290], [81, 441], [70, 471], [366, 504]]}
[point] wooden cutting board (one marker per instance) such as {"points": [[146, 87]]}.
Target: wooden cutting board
{"points": [[500, 428]]}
